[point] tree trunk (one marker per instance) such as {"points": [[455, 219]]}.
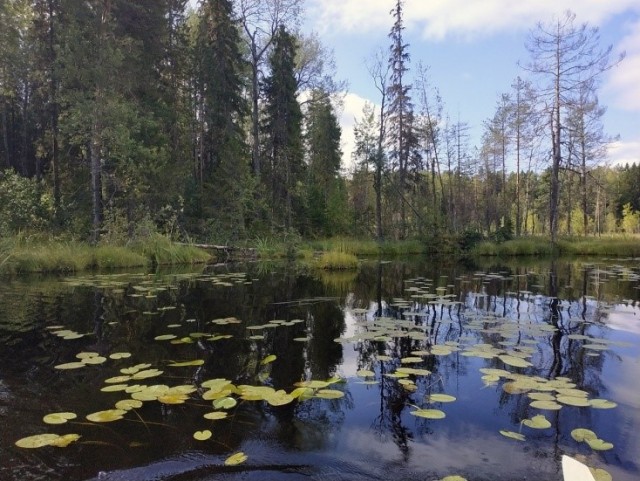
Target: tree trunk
{"points": [[95, 160], [255, 115]]}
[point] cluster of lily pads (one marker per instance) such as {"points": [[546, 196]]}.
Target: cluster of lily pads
{"points": [[221, 393]]}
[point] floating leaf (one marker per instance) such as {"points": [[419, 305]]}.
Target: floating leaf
{"points": [[269, 359], [574, 401], [106, 416], [117, 379], [165, 337], [114, 388], [599, 444], [58, 418], [537, 422], [70, 365], [582, 434], [120, 355], [128, 404], [197, 362], [64, 441], [440, 398], [429, 413], [173, 398], [235, 459], [86, 355], [329, 394], [95, 360], [454, 477], [279, 398], [365, 373], [312, 384], [225, 403], [147, 374], [513, 435], [215, 415], [601, 474], [202, 435], [546, 405], [602, 404], [514, 361], [36, 441]]}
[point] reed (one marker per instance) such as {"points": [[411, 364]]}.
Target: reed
{"points": [[336, 260]]}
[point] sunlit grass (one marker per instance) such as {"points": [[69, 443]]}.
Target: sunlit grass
{"points": [[336, 260], [40, 255], [541, 246]]}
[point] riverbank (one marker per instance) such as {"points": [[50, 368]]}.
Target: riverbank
{"points": [[20, 254]]}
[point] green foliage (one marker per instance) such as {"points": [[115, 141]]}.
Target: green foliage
{"points": [[469, 238], [336, 260], [630, 220], [25, 205]]}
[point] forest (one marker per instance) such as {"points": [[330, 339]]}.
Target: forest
{"points": [[220, 124]]}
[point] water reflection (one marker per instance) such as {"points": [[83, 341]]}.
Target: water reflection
{"points": [[563, 320]]}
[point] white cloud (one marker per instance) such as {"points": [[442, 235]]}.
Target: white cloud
{"points": [[351, 111], [624, 79], [438, 19], [627, 152]]}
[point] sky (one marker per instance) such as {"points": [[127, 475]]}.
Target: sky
{"points": [[472, 49]]}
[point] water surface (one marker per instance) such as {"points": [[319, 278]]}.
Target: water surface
{"points": [[571, 322]]}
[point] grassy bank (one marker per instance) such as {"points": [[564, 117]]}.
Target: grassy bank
{"points": [[27, 255], [578, 246]]}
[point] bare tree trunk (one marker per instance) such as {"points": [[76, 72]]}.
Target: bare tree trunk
{"points": [[95, 160]]}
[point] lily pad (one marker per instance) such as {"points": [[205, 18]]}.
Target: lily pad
{"points": [[546, 405], [36, 441], [235, 459], [365, 373], [429, 413], [216, 415], [197, 362], [329, 394], [225, 403], [582, 434], [537, 422], [128, 404], [202, 435], [279, 398], [65, 440], [70, 365], [514, 361], [602, 404], [441, 398], [601, 474], [107, 416], [165, 337], [58, 418], [269, 359], [454, 477], [599, 444], [120, 355], [513, 435]]}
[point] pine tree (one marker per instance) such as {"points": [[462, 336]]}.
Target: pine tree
{"points": [[282, 130]]}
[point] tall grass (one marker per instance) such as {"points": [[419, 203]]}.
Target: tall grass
{"points": [[38, 255], [336, 260], [541, 246], [367, 247]]}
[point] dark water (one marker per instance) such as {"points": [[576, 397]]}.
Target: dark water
{"points": [[545, 312]]}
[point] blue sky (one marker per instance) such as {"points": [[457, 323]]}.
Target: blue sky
{"points": [[472, 49]]}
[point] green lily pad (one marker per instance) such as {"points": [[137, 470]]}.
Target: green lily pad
{"points": [[546, 405], [454, 477], [279, 398], [128, 404], [429, 413], [165, 337], [58, 418], [582, 434], [574, 401], [235, 459], [36, 441], [365, 373], [120, 355], [269, 359], [514, 361], [95, 360], [599, 444], [197, 362], [202, 435], [70, 365], [441, 398], [65, 440], [602, 404], [225, 403], [513, 435], [537, 422], [216, 415], [329, 394], [107, 416], [601, 474]]}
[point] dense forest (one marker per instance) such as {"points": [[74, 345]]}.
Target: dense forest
{"points": [[220, 124]]}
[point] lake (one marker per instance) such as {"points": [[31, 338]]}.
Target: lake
{"points": [[417, 369]]}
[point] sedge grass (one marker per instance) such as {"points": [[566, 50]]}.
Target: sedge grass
{"points": [[542, 246], [336, 260]]}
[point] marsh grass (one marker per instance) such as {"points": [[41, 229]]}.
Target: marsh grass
{"points": [[578, 246], [37, 255], [336, 260], [366, 248]]}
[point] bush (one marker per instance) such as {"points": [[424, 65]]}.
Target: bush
{"points": [[469, 239], [24, 204]]}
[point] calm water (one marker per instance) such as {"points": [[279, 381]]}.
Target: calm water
{"points": [[568, 321]]}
